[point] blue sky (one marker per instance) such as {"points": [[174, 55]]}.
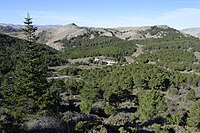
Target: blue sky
{"points": [[104, 13]]}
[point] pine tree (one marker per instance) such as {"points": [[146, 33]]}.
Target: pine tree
{"points": [[151, 104], [29, 29], [194, 115], [31, 92]]}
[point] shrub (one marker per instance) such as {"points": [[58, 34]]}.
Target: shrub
{"points": [[109, 110], [191, 95], [194, 115]]}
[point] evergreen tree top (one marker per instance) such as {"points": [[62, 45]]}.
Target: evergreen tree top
{"points": [[28, 20], [29, 29]]}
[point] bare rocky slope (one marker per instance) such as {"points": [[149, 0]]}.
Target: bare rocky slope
{"points": [[52, 36], [192, 31], [7, 29]]}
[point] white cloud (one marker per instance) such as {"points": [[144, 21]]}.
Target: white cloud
{"points": [[181, 18]]}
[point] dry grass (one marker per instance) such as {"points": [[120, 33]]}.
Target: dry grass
{"points": [[46, 124], [197, 54]]}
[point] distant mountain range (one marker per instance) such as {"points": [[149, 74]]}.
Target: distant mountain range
{"points": [[53, 34], [18, 26]]}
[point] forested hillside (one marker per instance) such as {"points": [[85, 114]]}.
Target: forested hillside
{"points": [[11, 48], [158, 91], [99, 46]]}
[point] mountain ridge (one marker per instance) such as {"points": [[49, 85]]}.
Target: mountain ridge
{"points": [[19, 26], [53, 35]]}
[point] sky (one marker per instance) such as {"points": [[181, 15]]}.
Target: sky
{"points": [[178, 14]]}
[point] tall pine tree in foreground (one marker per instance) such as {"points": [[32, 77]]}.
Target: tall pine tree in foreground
{"points": [[31, 92]]}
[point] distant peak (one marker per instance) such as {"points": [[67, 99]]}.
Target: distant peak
{"points": [[163, 26], [72, 24]]}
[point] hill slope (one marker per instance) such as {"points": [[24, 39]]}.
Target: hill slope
{"points": [[7, 29], [10, 49], [192, 31]]}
